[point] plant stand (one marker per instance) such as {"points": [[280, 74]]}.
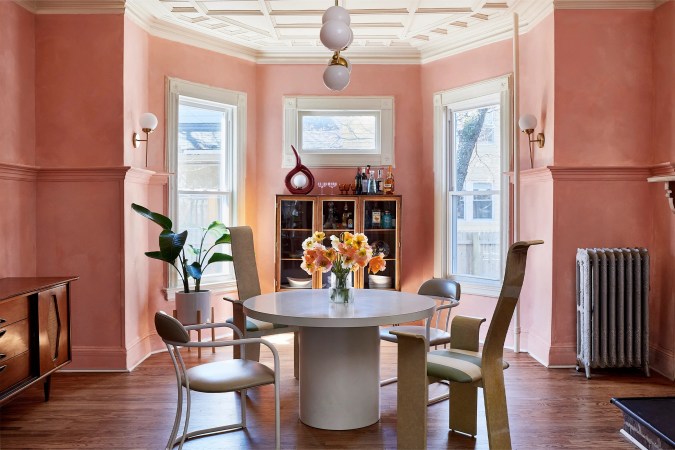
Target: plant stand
{"points": [[199, 332]]}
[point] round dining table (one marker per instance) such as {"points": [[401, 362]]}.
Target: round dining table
{"points": [[339, 348]]}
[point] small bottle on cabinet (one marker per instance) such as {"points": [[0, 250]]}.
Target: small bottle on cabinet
{"points": [[376, 221], [372, 184], [364, 180], [389, 183], [357, 182], [380, 181], [386, 219]]}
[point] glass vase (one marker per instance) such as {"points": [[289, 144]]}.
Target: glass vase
{"points": [[340, 290]]}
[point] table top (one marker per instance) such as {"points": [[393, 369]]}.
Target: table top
{"points": [[312, 308]]}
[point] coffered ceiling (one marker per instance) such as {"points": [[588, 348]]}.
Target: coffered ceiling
{"points": [[385, 31]]}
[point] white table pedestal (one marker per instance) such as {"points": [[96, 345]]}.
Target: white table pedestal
{"points": [[339, 377]]}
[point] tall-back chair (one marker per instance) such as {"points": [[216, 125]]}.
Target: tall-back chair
{"points": [[436, 331], [216, 377], [465, 367], [248, 285]]}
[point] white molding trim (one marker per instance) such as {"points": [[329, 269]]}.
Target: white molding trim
{"points": [[605, 4], [73, 6], [502, 87]]}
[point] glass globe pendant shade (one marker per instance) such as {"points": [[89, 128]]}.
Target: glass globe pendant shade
{"points": [[335, 35], [336, 13], [299, 180], [527, 122], [351, 39], [336, 77]]}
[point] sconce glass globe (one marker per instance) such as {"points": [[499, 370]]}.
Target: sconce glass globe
{"points": [[148, 121], [335, 35], [336, 77], [527, 122], [299, 180], [336, 13]]}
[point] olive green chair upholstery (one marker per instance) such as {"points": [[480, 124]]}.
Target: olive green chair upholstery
{"points": [[216, 377], [463, 366], [248, 285]]}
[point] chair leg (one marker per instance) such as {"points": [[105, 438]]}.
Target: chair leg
{"points": [[296, 355], [176, 422], [496, 413], [463, 408], [242, 399], [277, 417], [412, 393], [187, 419]]}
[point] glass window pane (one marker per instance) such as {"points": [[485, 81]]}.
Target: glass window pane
{"points": [[197, 211], [476, 222], [339, 132], [201, 141]]}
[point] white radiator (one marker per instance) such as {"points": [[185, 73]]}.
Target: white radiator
{"points": [[612, 308]]}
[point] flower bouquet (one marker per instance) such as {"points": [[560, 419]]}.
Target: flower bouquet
{"points": [[347, 254]]}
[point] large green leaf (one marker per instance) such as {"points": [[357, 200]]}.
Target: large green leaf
{"points": [[219, 257], [157, 255], [193, 250], [195, 270], [171, 244], [224, 239], [159, 219], [217, 226]]}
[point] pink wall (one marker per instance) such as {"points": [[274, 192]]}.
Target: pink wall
{"points": [[79, 135], [79, 90], [663, 239], [399, 81], [17, 134]]}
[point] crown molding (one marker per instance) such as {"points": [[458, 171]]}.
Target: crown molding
{"points": [[143, 17], [498, 30], [73, 6], [605, 4]]}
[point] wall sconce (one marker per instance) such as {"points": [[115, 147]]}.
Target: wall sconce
{"points": [[148, 123], [527, 124]]}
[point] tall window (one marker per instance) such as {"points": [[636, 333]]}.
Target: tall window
{"points": [[205, 157], [472, 131]]}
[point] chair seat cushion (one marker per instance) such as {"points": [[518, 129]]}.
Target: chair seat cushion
{"points": [[461, 366], [226, 376], [436, 336], [258, 325]]}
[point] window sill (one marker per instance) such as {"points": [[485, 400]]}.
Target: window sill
{"points": [[219, 288], [483, 290]]}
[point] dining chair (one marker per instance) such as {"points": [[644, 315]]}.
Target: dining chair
{"points": [[216, 377], [445, 291], [248, 285], [462, 365]]}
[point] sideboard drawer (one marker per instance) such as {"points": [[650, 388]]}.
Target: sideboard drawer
{"points": [[13, 340], [13, 310], [14, 370]]}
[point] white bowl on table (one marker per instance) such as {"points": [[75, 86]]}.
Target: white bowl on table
{"points": [[379, 281], [305, 283]]}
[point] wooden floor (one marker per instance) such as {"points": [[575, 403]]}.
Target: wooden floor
{"points": [[556, 408]]}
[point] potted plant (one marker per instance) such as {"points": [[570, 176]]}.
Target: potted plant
{"points": [[172, 250]]}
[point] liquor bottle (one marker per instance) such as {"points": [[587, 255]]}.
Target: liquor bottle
{"points": [[357, 182], [372, 184], [345, 216], [380, 181], [376, 220], [364, 180], [386, 219], [389, 183]]}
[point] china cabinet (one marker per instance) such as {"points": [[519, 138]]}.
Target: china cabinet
{"points": [[377, 216]]}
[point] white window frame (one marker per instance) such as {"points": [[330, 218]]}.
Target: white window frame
{"points": [[296, 107], [175, 88], [462, 98]]}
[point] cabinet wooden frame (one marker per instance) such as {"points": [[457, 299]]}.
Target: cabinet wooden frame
{"points": [[360, 202], [34, 354]]}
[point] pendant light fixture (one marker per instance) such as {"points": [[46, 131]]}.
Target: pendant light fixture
{"points": [[336, 35]]}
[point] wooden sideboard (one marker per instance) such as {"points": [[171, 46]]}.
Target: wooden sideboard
{"points": [[34, 332]]}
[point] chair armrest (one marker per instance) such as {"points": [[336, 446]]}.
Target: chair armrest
{"points": [[267, 344], [464, 332], [233, 300], [447, 305], [237, 331]]}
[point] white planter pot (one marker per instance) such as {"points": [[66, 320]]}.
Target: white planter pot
{"points": [[187, 306]]}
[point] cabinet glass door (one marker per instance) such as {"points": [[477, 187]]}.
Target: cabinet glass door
{"points": [[381, 226], [296, 223], [338, 215]]}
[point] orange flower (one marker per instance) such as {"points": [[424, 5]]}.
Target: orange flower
{"points": [[377, 264]]}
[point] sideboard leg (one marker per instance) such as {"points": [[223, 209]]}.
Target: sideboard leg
{"points": [[47, 386]]}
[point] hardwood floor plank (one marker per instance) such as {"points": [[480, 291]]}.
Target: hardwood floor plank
{"points": [[548, 408]]}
